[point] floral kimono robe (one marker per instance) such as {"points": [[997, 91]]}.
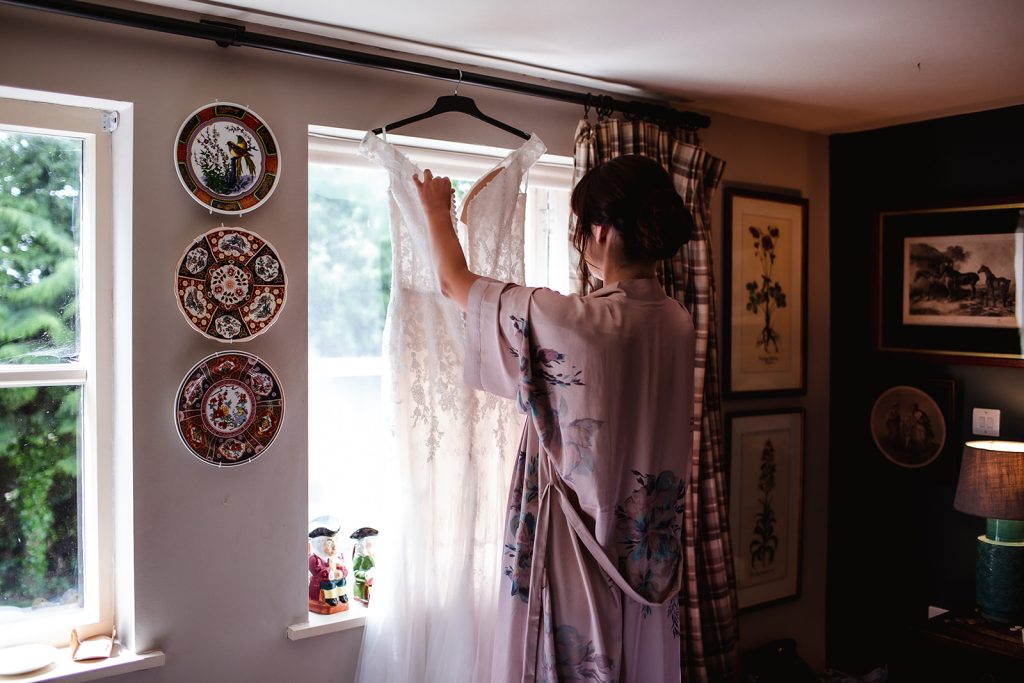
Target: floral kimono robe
{"points": [[593, 545]]}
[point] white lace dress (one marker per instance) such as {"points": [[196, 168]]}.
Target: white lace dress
{"points": [[435, 602]]}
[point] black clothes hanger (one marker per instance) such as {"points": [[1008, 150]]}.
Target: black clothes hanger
{"points": [[454, 103]]}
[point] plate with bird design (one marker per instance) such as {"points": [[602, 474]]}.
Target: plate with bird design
{"points": [[230, 284], [229, 408], [227, 158]]}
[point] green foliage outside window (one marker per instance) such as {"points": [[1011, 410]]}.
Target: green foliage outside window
{"points": [[350, 259], [40, 182]]}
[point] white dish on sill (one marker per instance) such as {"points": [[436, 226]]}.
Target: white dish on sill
{"points": [[23, 659]]}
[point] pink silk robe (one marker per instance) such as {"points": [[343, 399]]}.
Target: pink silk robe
{"points": [[593, 544]]}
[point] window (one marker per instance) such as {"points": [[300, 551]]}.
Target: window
{"points": [[55, 378], [349, 288]]}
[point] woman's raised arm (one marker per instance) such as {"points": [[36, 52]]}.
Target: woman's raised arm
{"points": [[436, 196]]}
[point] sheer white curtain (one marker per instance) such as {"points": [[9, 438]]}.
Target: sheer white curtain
{"points": [[439, 560]]}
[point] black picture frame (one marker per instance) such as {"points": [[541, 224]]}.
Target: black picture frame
{"points": [[950, 316], [759, 480], [946, 395], [764, 357]]}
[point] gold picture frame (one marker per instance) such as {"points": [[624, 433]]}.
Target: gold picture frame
{"points": [[946, 283]]}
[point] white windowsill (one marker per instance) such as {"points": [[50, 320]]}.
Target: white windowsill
{"points": [[66, 670], [322, 624]]}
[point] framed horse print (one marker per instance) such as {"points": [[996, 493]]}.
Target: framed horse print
{"points": [[765, 294], [947, 282]]}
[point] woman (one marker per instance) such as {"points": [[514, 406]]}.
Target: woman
{"points": [[593, 546]]}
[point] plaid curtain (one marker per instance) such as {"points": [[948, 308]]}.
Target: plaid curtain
{"points": [[710, 645]]}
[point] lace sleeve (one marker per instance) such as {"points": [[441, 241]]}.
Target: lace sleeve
{"points": [[384, 155]]}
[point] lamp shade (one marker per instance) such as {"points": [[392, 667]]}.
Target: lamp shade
{"points": [[992, 480]]}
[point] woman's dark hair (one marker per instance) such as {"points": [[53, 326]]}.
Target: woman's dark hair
{"points": [[634, 195]]}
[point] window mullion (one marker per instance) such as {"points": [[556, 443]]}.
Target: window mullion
{"points": [[42, 375]]}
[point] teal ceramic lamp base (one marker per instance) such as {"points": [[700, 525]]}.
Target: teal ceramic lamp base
{"points": [[1000, 571]]}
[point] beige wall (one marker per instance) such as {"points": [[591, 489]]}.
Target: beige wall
{"points": [[770, 158], [219, 554]]}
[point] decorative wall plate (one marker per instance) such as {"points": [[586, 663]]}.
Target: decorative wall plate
{"points": [[908, 426], [230, 284], [229, 408], [227, 158]]}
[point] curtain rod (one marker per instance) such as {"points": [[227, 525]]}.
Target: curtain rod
{"points": [[228, 34]]}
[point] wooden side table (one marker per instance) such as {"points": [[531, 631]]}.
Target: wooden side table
{"points": [[960, 648]]}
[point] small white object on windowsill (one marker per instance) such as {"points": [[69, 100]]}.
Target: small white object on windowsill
{"points": [[24, 659], [63, 668], [98, 647]]}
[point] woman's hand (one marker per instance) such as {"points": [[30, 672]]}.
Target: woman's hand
{"points": [[436, 194], [454, 278]]}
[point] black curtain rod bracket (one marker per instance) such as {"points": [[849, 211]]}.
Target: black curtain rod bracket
{"points": [[228, 34], [237, 29]]}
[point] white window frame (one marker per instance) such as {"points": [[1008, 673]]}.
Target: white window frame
{"points": [[93, 371], [340, 146]]}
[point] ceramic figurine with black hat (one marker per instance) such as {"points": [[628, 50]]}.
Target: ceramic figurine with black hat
{"points": [[363, 563], [327, 572]]}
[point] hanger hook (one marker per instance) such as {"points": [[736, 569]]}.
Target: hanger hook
{"points": [[459, 82]]}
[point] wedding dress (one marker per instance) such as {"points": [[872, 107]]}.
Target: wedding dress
{"points": [[439, 564]]}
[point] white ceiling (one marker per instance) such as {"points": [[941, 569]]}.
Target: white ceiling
{"points": [[816, 65]]}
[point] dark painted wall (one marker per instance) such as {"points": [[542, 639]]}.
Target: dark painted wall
{"points": [[896, 545]]}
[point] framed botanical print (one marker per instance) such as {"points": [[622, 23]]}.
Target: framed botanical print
{"points": [[765, 294], [766, 464], [947, 282]]}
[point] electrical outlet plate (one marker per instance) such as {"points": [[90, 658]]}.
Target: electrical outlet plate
{"points": [[985, 422]]}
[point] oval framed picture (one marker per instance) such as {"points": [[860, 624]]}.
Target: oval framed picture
{"points": [[227, 158], [230, 284], [908, 426], [229, 408]]}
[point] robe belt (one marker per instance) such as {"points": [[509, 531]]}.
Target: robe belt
{"points": [[538, 580], [599, 554]]}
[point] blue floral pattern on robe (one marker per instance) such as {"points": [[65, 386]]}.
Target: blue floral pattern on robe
{"points": [[522, 525], [649, 524], [568, 657], [673, 615], [539, 372]]}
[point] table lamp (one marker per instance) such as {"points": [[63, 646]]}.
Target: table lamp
{"points": [[992, 486]]}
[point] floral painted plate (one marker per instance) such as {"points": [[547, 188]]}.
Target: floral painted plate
{"points": [[229, 408], [227, 158], [230, 284]]}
